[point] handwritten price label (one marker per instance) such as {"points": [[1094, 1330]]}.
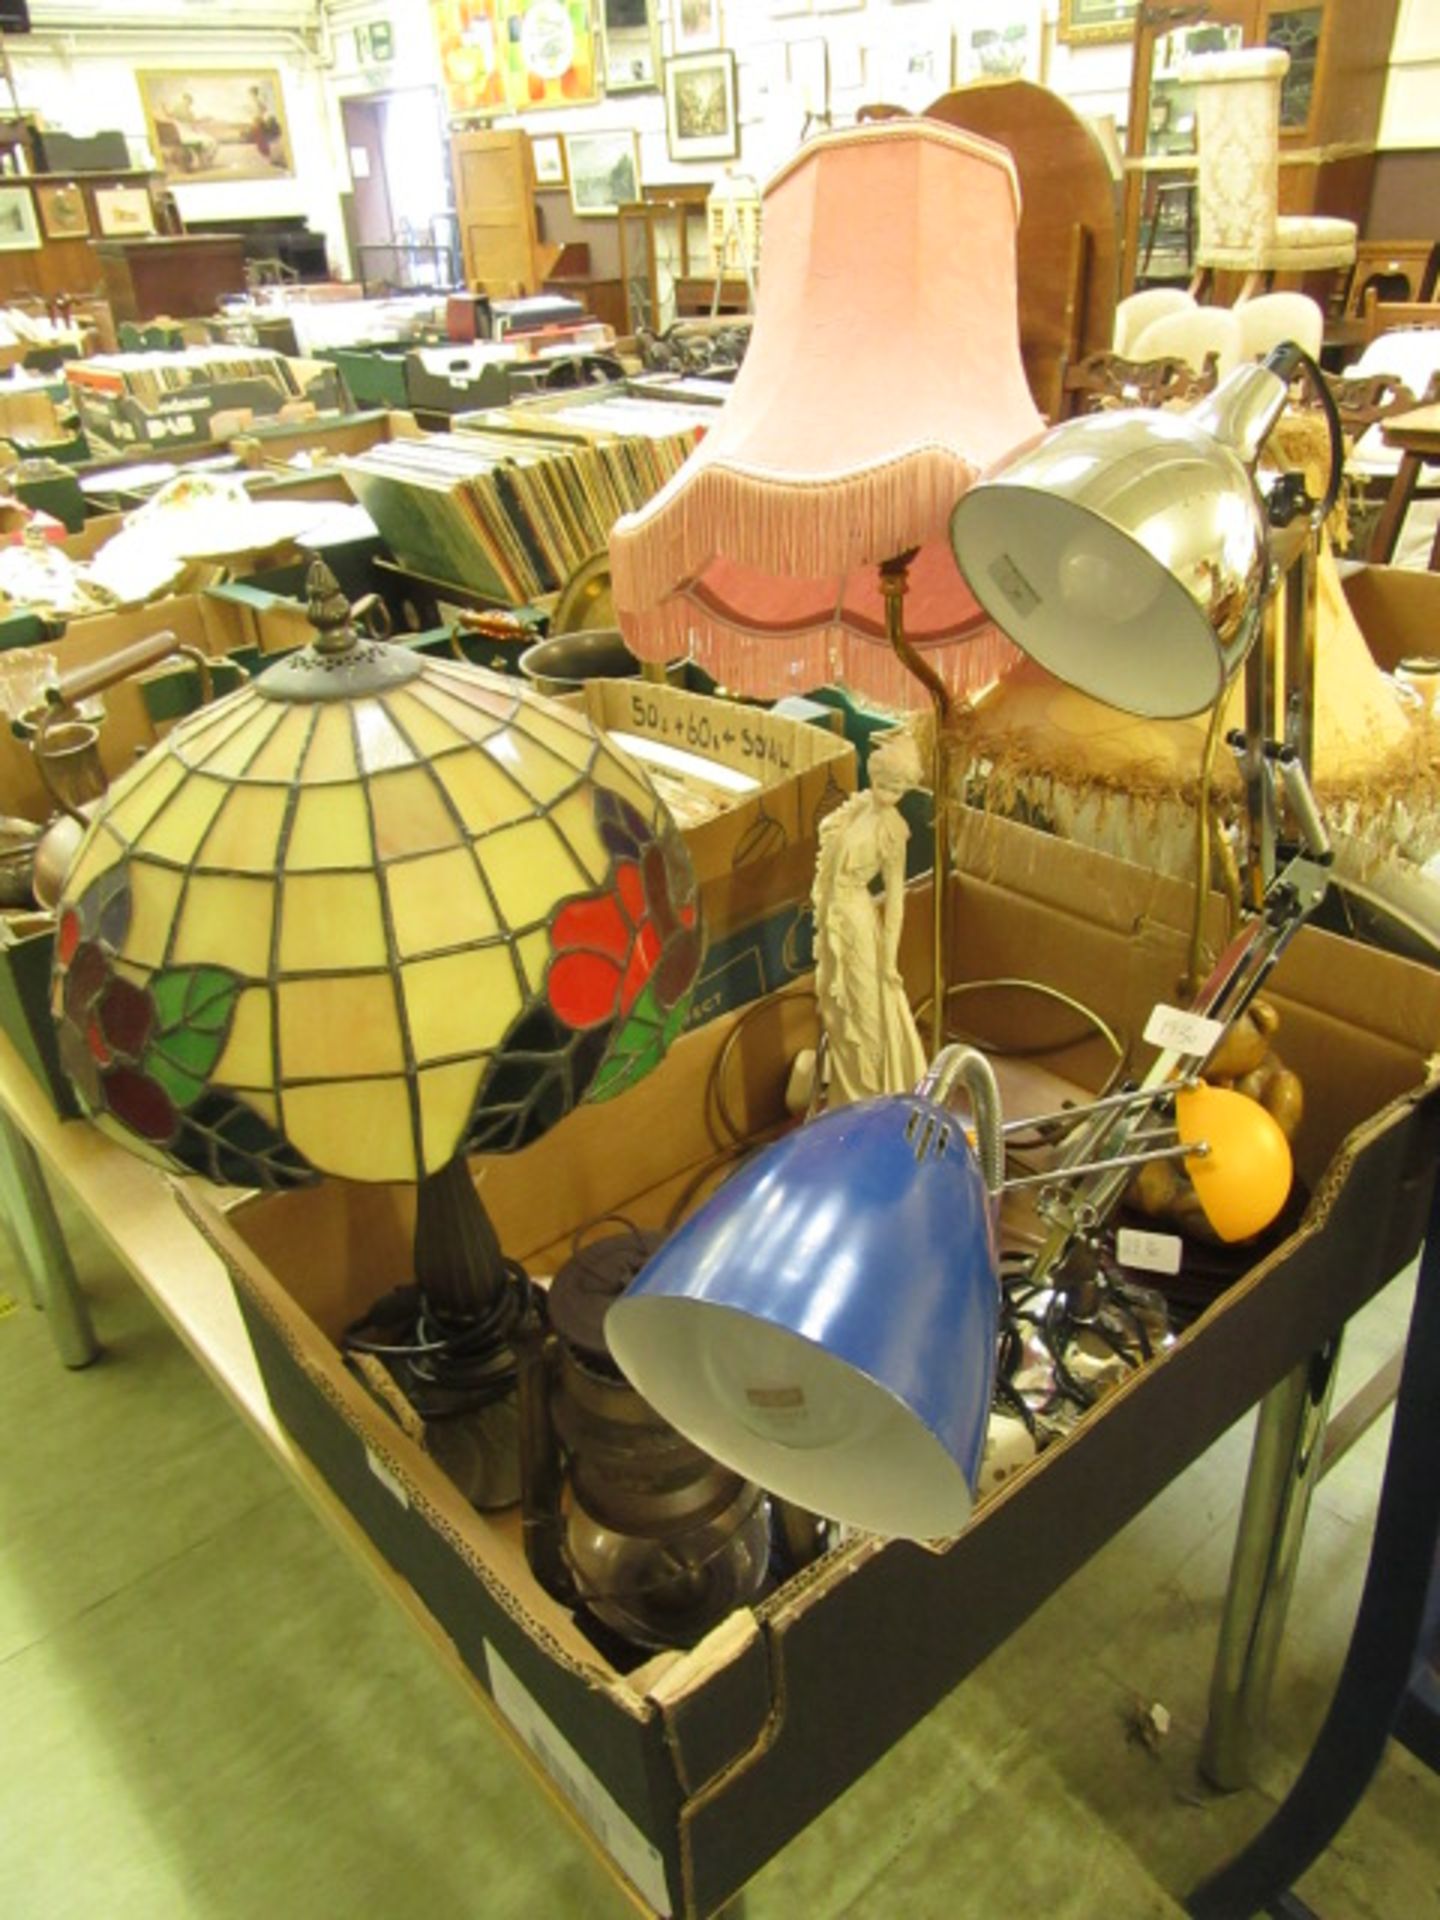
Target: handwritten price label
{"points": [[1176, 1031], [1147, 1252], [702, 734]]}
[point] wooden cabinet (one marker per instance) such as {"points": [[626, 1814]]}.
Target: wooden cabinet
{"points": [[1329, 106], [181, 276], [64, 262], [494, 178]]}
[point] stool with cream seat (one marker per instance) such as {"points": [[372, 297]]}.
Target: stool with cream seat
{"points": [[1136, 311], [1237, 123], [1272, 317], [1190, 335]]}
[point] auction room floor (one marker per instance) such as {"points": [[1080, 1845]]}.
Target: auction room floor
{"points": [[207, 1712]]}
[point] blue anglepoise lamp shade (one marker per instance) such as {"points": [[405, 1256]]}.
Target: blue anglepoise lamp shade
{"points": [[826, 1324]]}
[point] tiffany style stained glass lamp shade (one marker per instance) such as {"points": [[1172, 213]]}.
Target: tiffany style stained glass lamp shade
{"points": [[370, 914]]}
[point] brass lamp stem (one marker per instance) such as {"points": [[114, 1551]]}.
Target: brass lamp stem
{"points": [[894, 582]]}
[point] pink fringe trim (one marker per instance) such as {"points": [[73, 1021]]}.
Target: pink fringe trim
{"points": [[793, 524], [766, 667]]}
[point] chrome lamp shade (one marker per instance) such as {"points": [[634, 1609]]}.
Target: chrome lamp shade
{"points": [[1128, 552], [827, 1324]]}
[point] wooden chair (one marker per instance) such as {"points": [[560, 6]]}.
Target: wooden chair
{"points": [[1068, 244], [1390, 270], [1105, 380]]}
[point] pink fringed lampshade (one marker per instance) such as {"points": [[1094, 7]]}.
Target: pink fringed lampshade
{"points": [[883, 377]]}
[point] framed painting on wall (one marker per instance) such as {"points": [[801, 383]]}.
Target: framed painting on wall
{"points": [[63, 213], [547, 151], [604, 169], [124, 212], [1088, 22], [1007, 47], [19, 229], [700, 117], [548, 50], [695, 25], [630, 40], [210, 126], [469, 36]]}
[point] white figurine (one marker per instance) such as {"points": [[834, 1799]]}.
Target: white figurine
{"points": [[873, 1043]]}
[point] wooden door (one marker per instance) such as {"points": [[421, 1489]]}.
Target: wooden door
{"points": [[495, 208], [364, 125]]}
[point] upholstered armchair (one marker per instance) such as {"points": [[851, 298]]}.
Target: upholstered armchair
{"points": [[1237, 119]]}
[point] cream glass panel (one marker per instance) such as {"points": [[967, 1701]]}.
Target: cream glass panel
{"points": [[154, 892], [463, 1003], [429, 733], [439, 901], [331, 922], [530, 869], [225, 922], [331, 754], [446, 1096], [182, 824], [331, 828], [246, 832], [381, 746], [410, 814], [283, 754], [230, 752], [137, 797], [575, 818], [357, 1131], [248, 1060], [331, 1028]]}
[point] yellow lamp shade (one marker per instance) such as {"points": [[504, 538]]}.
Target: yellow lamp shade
{"points": [[366, 915], [1244, 1179]]}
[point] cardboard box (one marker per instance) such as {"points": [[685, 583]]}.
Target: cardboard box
{"points": [[1398, 609], [694, 1769], [759, 854]]}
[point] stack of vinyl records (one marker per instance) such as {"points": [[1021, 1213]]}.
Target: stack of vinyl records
{"points": [[511, 511]]}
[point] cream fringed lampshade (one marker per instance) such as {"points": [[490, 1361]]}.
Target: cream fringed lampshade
{"points": [[883, 375], [370, 913]]}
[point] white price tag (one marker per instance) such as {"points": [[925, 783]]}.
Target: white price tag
{"points": [[386, 1478], [596, 1806], [1148, 1252], [1176, 1031]]}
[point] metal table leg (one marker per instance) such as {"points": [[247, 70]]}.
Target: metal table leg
{"points": [[1284, 1468], [42, 1249]]}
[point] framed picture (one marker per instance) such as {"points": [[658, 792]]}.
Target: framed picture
{"points": [[1007, 47], [809, 75], [19, 229], [847, 66], [63, 213], [630, 45], [547, 150], [604, 169], [218, 126], [123, 212], [695, 25], [915, 62], [1087, 22], [469, 36], [762, 78], [700, 118], [549, 53]]}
